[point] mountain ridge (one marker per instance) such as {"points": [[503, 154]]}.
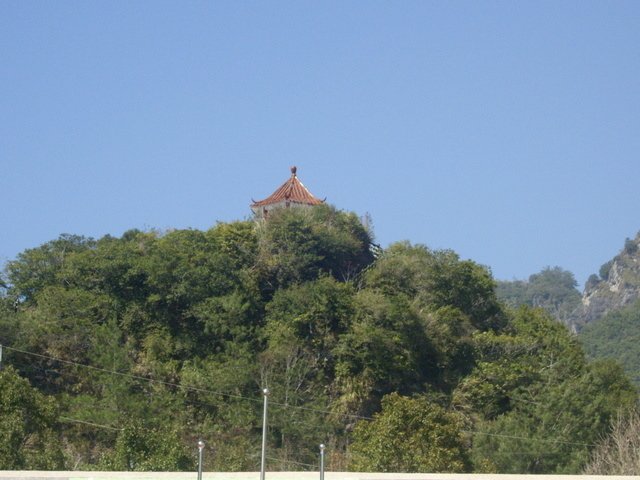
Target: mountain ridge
{"points": [[616, 286]]}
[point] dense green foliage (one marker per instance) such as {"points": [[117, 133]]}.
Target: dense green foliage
{"points": [[553, 289], [616, 336], [410, 434], [547, 405], [28, 436], [143, 344]]}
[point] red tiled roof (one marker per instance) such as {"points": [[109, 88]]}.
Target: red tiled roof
{"points": [[290, 191]]}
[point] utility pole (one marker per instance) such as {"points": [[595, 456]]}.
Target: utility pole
{"points": [[200, 449], [265, 393], [322, 461]]}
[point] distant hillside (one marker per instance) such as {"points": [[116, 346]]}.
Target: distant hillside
{"points": [[616, 286], [552, 289], [616, 336], [606, 316]]}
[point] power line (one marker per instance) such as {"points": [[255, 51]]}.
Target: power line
{"points": [[516, 437], [184, 387], [135, 377], [317, 410], [47, 370], [92, 424], [241, 397], [273, 459]]}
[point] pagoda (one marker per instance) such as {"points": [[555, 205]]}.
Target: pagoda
{"points": [[291, 193]]}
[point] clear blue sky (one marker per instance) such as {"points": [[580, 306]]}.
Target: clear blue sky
{"points": [[508, 131]]}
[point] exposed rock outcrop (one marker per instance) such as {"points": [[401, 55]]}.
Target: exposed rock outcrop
{"points": [[616, 286]]}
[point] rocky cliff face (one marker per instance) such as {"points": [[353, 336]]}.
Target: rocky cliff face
{"points": [[616, 286]]}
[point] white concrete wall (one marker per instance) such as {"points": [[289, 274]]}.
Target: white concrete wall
{"points": [[33, 475]]}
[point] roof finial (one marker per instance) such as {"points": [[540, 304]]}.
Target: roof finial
{"points": [[294, 169]]}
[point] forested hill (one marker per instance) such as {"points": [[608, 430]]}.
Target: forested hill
{"points": [[615, 286], [610, 310], [553, 289], [616, 336], [120, 353], [606, 316]]}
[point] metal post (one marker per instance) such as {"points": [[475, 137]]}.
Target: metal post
{"points": [[322, 461], [0, 357], [265, 393], [200, 449]]}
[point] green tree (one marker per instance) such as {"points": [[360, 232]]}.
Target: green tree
{"points": [[616, 336], [148, 449], [28, 426], [303, 325], [545, 405], [553, 289], [553, 424], [385, 349], [410, 435], [36, 268], [438, 279], [296, 245]]}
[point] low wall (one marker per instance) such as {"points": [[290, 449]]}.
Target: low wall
{"points": [[34, 475]]}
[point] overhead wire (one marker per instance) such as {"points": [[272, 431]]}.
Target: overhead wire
{"points": [[33, 368], [273, 459], [92, 424], [278, 404], [130, 375], [516, 437], [183, 387]]}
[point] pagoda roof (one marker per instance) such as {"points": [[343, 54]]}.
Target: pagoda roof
{"points": [[293, 190]]}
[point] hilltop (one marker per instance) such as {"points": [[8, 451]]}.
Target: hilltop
{"points": [[616, 285], [119, 353]]}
